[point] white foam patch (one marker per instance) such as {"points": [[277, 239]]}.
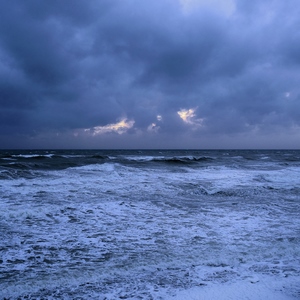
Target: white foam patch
{"points": [[140, 158], [241, 290], [151, 231]]}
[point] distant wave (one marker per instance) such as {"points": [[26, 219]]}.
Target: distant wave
{"points": [[97, 156], [33, 156], [184, 159], [39, 160], [164, 159]]}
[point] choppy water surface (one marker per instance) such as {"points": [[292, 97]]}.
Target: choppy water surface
{"points": [[146, 224]]}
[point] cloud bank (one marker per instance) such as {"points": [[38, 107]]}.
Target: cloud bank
{"points": [[158, 74]]}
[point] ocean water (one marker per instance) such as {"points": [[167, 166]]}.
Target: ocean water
{"points": [[148, 224]]}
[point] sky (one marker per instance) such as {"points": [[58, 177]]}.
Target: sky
{"points": [[201, 74]]}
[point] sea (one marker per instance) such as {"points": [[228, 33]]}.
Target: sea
{"points": [[149, 224]]}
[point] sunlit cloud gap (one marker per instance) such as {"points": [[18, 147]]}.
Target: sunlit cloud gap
{"points": [[188, 116], [120, 127]]}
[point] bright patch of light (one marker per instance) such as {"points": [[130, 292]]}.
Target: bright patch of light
{"points": [[188, 116], [225, 7], [159, 117], [119, 127]]}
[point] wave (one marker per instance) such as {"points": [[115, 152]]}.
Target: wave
{"points": [[166, 159], [184, 159], [7, 174], [35, 156], [98, 156], [52, 156], [106, 167]]}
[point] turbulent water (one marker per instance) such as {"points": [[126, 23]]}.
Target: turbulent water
{"points": [[147, 224]]}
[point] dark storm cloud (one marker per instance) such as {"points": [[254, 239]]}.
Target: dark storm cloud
{"points": [[72, 65]]}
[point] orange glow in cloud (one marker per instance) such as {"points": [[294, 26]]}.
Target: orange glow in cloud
{"points": [[120, 127]]}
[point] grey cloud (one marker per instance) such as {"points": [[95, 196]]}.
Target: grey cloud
{"points": [[66, 65]]}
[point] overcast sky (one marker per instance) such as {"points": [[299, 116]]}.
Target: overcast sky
{"points": [[150, 74]]}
